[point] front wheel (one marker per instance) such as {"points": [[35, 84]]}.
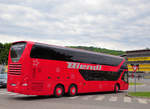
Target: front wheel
{"points": [[59, 91], [72, 90], [116, 89]]}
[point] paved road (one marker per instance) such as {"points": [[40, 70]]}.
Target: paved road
{"points": [[84, 101]]}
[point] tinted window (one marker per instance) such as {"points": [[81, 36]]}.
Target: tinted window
{"points": [[124, 66], [16, 51], [43, 52], [125, 76], [90, 75], [74, 55]]}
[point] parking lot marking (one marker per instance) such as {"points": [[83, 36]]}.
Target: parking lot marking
{"points": [[142, 101], [100, 98], [73, 97], [89, 97], [10, 93], [3, 92], [127, 99], [86, 97], [113, 99]]}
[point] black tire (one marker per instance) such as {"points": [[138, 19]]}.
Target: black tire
{"points": [[72, 91], [59, 91], [116, 88]]}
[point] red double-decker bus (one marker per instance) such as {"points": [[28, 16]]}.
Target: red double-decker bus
{"points": [[41, 69]]}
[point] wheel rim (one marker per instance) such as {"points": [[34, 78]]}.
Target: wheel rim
{"points": [[73, 90], [59, 91]]}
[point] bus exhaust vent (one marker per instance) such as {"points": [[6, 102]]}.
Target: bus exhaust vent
{"points": [[15, 69]]}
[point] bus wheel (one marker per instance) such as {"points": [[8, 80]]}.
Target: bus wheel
{"points": [[116, 89], [72, 90], [59, 91]]}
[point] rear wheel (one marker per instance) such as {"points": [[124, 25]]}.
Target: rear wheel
{"points": [[116, 89], [59, 91], [72, 90]]}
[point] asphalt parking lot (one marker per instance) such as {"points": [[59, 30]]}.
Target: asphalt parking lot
{"points": [[105, 100]]}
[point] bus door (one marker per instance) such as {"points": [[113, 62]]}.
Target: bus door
{"points": [[124, 80]]}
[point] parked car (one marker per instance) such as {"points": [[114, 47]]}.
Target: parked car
{"points": [[3, 80]]}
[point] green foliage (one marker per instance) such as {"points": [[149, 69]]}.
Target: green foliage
{"points": [[101, 50], [4, 51], [140, 94], [136, 84]]}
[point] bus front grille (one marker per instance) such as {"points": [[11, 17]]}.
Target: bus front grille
{"points": [[15, 69]]}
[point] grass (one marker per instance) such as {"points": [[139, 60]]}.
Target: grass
{"points": [[136, 83], [140, 94]]}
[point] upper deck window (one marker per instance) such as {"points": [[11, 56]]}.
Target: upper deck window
{"points": [[42, 51], [16, 51]]}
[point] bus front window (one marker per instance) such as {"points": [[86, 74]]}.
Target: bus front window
{"points": [[16, 51]]}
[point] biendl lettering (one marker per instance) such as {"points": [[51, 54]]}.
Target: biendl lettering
{"points": [[74, 65]]}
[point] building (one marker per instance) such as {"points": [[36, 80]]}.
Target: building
{"points": [[141, 57]]}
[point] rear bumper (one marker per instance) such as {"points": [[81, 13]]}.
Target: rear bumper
{"points": [[27, 91]]}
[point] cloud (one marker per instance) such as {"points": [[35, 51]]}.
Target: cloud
{"points": [[113, 24]]}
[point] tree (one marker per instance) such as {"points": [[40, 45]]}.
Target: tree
{"points": [[101, 50], [4, 51]]}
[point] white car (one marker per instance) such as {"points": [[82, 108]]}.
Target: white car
{"points": [[3, 80]]}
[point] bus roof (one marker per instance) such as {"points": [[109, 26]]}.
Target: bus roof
{"points": [[72, 49]]}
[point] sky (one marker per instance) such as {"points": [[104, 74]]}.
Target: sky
{"points": [[112, 24]]}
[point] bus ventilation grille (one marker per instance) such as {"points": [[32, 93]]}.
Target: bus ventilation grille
{"points": [[37, 86], [15, 69]]}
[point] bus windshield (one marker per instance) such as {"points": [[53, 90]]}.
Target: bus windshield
{"points": [[16, 51]]}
